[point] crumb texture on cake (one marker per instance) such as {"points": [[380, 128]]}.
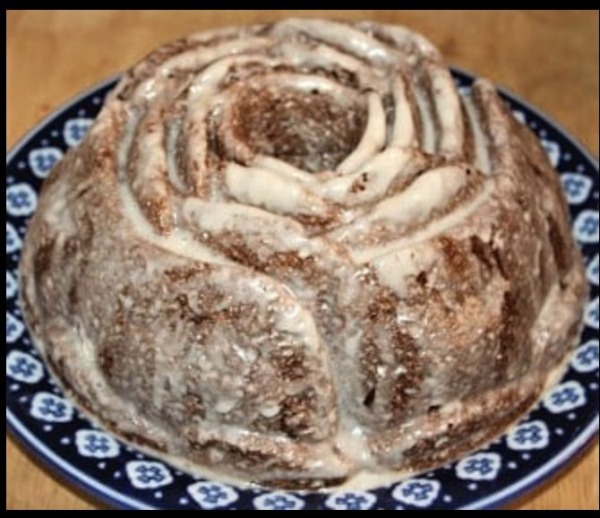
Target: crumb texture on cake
{"points": [[294, 252]]}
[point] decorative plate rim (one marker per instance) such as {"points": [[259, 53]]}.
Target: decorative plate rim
{"points": [[94, 488]]}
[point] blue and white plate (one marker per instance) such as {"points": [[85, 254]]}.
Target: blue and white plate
{"points": [[41, 417]]}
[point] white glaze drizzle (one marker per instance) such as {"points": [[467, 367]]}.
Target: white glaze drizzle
{"points": [[403, 132], [372, 140], [482, 157], [447, 106]]}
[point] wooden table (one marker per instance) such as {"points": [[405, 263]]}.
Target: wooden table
{"points": [[549, 58]]}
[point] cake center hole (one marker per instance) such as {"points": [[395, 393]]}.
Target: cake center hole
{"points": [[308, 129]]}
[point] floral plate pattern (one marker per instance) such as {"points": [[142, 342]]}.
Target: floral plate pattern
{"points": [[39, 415]]}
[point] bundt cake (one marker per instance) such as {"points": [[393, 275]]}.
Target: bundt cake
{"points": [[295, 252]]}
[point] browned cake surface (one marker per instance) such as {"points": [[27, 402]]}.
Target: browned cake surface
{"points": [[294, 252]]}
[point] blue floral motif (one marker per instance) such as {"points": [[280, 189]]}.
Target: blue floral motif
{"points": [[576, 187], [97, 444], [211, 495], [75, 130], [14, 328], [11, 285], [586, 226], [41, 161], [592, 314], [24, 368], [589, 356], [481, 466], [586, 357], [532, 435], [351, 501], [278, 501], [148, 475], [13, 241], [565, 397], [51, 408], [593, 270], [20, 200], [417, 492], [91, 443]]}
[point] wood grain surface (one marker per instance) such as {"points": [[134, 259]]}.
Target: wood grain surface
{"points": [[549, 58]]}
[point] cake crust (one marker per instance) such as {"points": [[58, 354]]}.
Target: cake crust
{"points": [[295, 252]]}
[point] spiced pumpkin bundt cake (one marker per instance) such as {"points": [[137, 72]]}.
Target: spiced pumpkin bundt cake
{"points": [[294, 252]]}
